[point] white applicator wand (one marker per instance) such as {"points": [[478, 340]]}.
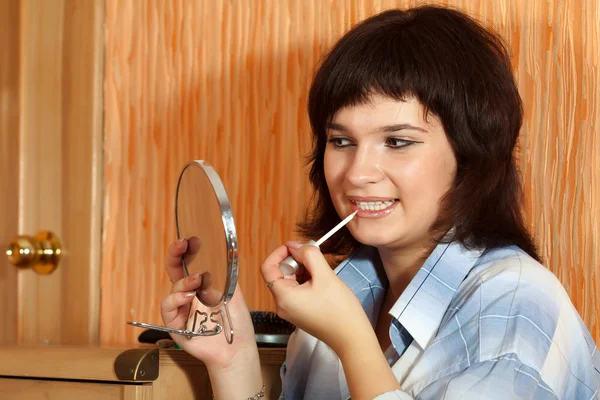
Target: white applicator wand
{"points": [[290, 266]]}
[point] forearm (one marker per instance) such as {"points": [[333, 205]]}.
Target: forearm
{"points": [[367, 371], [239, 380]]}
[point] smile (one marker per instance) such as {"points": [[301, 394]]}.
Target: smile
{"points": [[373, 209], [374, 205]]}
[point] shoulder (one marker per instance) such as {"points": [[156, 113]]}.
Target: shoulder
{"points": [[511, 304], [508, 286], [510, 290]]}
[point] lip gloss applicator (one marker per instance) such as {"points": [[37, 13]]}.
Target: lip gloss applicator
{"points": [[290, 266]]}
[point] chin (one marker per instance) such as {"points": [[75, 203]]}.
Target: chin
{"points": [[375, 238]]}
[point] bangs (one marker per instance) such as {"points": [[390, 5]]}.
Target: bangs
{"points": [[393, 60]]}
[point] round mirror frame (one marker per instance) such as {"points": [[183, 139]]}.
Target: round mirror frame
{"points": [[223, 323], [228, 226]]}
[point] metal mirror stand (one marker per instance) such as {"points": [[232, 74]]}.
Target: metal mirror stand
{"points": [[224, 318]]}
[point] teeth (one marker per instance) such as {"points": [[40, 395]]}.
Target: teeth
{"points": [[374, 205]]}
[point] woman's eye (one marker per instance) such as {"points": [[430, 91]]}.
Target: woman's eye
{"points": [[340, 142], [396, 143]]}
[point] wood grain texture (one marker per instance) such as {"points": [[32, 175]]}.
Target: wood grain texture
{"points": [[9, 163], [88, 363], [31, 389], [83, 132], [60, 166], [39, 156], [83, 370], [227, 83], [183, 376]]}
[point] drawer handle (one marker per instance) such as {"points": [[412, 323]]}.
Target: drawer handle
{"points": [[137, 365]]}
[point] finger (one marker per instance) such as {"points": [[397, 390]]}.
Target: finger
{"points": [[207, 292], [312, 259], [280, 288], [173, 261], [207, 281], [270, 267], [211, 296], [169, 307], [189, 283], [188, 248], [194, 245]]}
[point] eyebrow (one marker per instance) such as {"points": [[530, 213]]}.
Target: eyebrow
{"points": [[384, 129]]}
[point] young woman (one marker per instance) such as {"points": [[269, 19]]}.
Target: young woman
{"points": [[415, 116]]}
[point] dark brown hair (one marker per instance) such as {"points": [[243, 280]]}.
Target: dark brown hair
{"points": [[460, 72]]}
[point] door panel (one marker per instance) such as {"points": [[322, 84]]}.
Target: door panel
{"points": [[56, 48], [9, 162]]}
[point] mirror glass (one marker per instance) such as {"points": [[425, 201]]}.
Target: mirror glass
{"points": [[204, 218]]}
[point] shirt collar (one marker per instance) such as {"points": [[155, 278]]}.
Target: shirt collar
{"points": [[364, 274], [422, 305], [424, 302]]}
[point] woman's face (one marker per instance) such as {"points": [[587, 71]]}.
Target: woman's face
{"points": [[386, 160]]}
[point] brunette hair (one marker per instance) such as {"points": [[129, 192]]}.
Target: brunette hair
{"points": [[460, 72]]}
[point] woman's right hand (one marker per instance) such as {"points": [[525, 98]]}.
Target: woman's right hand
{"points": [[214, 351]]}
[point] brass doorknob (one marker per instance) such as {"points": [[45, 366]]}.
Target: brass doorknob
{"points": [[41, 252]]}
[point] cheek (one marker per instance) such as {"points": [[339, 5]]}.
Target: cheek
{"points": [[333, 169], [423, 182], [447, 172]]}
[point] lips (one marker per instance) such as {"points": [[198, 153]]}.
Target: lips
{"points": [[373, 207]]}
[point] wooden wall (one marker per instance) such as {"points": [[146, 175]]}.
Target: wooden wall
{"points": [[227, 82]]}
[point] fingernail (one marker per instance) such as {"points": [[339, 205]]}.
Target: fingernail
{"points": [[195, 277], [189, 294], [294, 244], [181, 240]]}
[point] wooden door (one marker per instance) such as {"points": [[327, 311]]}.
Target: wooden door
{"points": [[51, 165]]}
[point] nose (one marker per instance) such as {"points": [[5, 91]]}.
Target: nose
{"points": [[364, 168]]}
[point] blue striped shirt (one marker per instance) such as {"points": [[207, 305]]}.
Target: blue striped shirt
{"points": [[470, 325]]}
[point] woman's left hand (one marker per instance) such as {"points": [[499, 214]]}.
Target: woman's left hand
{"points": [[323, 306]]}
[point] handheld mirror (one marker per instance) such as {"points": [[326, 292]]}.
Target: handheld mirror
{"points": [[203, 216]]}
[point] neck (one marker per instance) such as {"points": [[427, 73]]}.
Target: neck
{"points": [[401, 266]]}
